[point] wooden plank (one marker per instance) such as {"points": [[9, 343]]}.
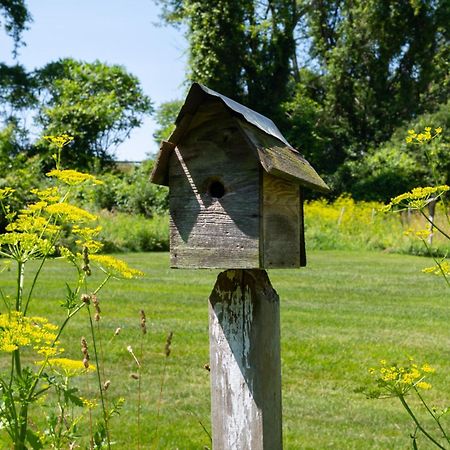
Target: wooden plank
{"points": [[244, 327], [206, 231], [281, 222]]}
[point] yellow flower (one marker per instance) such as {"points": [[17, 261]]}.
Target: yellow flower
{"points": [[73, 177], [89, 404], [423, 234], [115, 267], [438, 130], [5, 192], [59, 141], [428, 369], [438, 269], [423, 385], [418, 197], [20, 331], [71, 367], [71, 212]]}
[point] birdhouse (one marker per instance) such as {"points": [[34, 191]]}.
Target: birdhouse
{"points": [[235, 187]]}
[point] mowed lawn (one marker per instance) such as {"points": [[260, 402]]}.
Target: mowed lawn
{"points": [[339, 316]]}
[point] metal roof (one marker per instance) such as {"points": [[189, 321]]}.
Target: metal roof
{"points": [[197, 94]]}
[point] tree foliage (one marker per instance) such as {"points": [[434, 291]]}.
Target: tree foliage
{"points": [[14, 17], [346, 74], [165, 117], [241, 48], [96, 103], [378, 60]]}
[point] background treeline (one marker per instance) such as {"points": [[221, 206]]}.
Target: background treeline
{"points": [[344, 81]]}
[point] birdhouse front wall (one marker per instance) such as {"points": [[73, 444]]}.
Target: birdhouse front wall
{"points": [[214, 181]]}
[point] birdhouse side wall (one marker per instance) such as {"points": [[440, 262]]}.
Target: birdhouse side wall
{"points": [[214, 195], [282, 223]]}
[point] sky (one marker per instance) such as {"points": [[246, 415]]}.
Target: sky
{"points": [[125, 32]]}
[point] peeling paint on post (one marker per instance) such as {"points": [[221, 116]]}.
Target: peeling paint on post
{"points": [[244, 327]]}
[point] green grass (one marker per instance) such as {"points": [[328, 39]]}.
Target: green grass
{"points": [[339, 316]]}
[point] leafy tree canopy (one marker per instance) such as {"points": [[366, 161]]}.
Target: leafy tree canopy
{"points": [[96, 103], [165, 117], [347, 74], [14, 17], [241, 48]]}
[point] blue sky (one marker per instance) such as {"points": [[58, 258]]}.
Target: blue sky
{"points": [[122, 32]]}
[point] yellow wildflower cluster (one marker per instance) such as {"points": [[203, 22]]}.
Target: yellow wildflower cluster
{"points": [[115, 267], [396, 380], [5, 192], [424, 136], [70, 212], [417, 198], [19, 331], [89, 404], [73, 177], [59, 141], [87, 238], [443, 266], [70, 367]]}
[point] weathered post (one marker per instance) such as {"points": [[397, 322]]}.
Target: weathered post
{"points": [[244, 333], [236, 203]]}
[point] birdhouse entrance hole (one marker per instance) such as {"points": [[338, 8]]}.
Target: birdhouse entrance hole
{"points": [[216, 189]]}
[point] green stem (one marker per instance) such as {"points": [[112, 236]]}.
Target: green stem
{"points": [[102, 284], [419, 426], [36, 276], [437, 263], [434, 225], [105, 414], [23, 424], [444, 434], [20, 278]]}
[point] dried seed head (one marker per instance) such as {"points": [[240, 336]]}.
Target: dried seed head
{"points": [[94, 299], [86, 267], [118, 330], [106, 385], [86, 298], [84, 350], [143, 322], [168, 344], [135, 376], [84, 347], [206, 367]]}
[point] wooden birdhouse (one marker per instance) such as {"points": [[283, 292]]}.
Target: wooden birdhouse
{"points": [[235, 187]]}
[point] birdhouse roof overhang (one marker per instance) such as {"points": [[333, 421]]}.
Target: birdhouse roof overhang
{"points": [[275, 154]]}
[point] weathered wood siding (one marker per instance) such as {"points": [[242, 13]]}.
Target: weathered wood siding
{"points": [[208, 232], [244, 324], [282, 222]]}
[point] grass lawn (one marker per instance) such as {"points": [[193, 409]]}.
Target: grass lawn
{"points": [[339, 316]]}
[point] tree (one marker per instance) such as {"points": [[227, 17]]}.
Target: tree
{"points": [[396, 167], [346, 73], [378, 61], [241, 48], [165, 117], [15, 17], [96, 103]]}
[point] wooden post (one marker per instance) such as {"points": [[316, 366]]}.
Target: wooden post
{"points": [[244, 328]]}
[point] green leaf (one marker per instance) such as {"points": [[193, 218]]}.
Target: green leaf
{"points": [[34, 440]]}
